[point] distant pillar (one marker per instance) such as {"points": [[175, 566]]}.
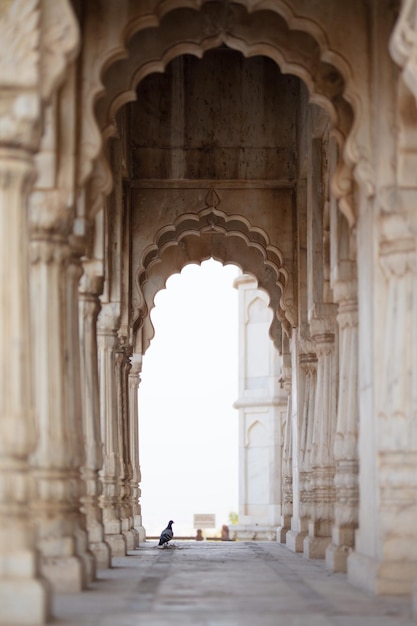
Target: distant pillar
{"points": [[134, 380], [89, 306], [107, 326], [286, 487], [323, 327], [346, 438]]}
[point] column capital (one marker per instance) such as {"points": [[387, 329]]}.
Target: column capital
{"points": [[92, 280], [109, 317], [323, 321]]}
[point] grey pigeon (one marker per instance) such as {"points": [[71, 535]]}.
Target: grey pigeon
{"points": [[167, 534]]}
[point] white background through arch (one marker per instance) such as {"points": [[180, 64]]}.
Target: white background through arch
{"points": [[188, 427]]}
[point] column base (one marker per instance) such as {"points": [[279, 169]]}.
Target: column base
{"points": [[66, 574], [130, 539], [282, 534], [294, 540], [391, 577], [102, 554], [117, 544], [24, 602], [336, 557], [252, 532], [141, 533], [315, 547]]}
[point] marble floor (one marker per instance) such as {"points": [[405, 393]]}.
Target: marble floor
{"points": [[224, 584]]}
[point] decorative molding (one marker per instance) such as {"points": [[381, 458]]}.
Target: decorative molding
{"points": [[299, 46], [252, 251]]}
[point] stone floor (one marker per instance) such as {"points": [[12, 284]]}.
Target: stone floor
{"points": [[224, 584]]}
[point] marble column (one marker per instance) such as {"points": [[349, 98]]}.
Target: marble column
{"points": [[55, 272], [134, 381], [89, 306], [24, 597], [323, 328], [107, 327], [286, 498], [389, 564], [346, 438], [306, 366], [122, 415]]}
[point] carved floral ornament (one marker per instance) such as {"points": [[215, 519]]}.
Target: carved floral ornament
{"points": [[139, 41]]}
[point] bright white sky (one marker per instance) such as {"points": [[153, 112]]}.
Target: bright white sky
{"points": [[187, 426]]}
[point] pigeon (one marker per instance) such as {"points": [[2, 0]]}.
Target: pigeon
{"points": [[167, 534]]}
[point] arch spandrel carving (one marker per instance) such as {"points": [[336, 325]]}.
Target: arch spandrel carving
{"points": [[194, 238], [300, 46]]}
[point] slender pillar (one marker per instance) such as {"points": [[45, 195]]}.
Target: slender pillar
{"points": [[323, 326], [346, 438], [89, 306], [122, 415], [134, 381], [286, 510], [24, 597], [107, 326], [59, 455], [308, 366], [306, 376]]}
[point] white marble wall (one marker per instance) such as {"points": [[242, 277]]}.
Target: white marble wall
{"points": [[262, 406]]}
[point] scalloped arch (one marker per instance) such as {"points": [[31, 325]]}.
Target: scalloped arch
{"points": [[296, 43], [193, 238]]}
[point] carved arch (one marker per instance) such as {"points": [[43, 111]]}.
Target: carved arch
{"points": [[196, 237], [296, 43]]}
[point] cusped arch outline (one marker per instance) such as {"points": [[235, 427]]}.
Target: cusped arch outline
{"points": [[297, 44], [229, 239]]}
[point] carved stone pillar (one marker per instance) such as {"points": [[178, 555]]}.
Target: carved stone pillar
{"points": [[346, 438], [323, 327], [125, 469], [390, 564], [24, 598], [57, 460], [307, 362], [286, 465], [135, 493], [89, 306], [107, 326], [308, 365]]}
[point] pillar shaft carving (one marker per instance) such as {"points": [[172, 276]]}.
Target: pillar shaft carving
{"points": [[323, 327], [346, 437], [287, 494], [111, 474], [57, 460], [134, 381], [308, 365], [17, 416], [28, 75], [123, 429], [90, 287]]}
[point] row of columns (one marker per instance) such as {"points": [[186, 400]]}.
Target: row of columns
{"points": [[69, 461], [320, 456]]}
